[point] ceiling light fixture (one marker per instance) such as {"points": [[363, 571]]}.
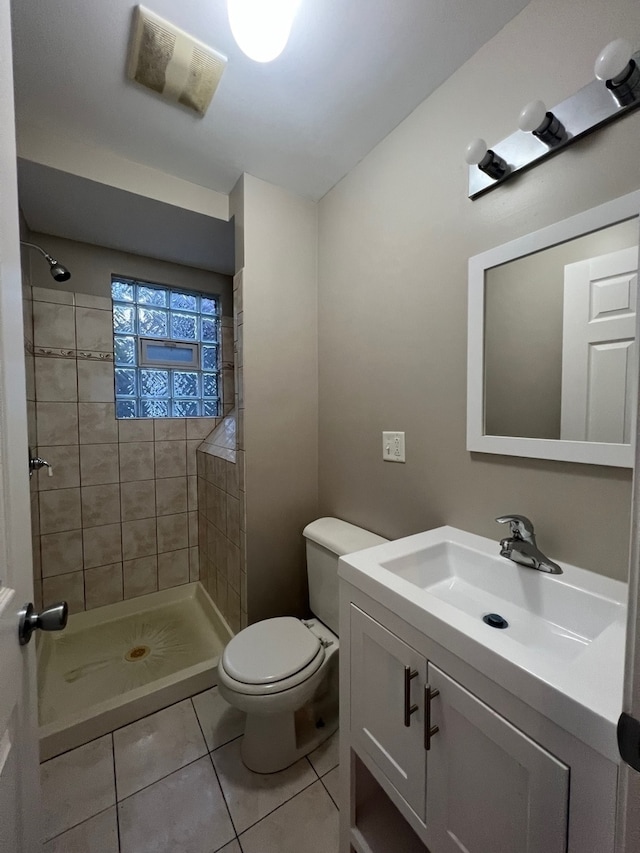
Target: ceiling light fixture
{"points": [[262, 27]]}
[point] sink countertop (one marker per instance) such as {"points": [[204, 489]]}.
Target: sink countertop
{"points": [[581, 692]]}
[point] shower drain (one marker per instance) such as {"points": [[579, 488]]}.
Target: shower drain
{"points": [[137, 653]]}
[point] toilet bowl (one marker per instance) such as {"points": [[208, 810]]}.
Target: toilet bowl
{"points": [[283, 672], [279, 667]]}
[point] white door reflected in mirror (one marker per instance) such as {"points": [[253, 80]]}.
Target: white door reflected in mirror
{"points": [[599, 383]]}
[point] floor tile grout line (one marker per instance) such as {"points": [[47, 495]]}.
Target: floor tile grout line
{"points": [[288, 800], [209, 753], [162, 778], [328, 791], [226, 804], [312, 767], [166, 775], [226, 743], [73, 748], [199, 724], [115, 789], [76, 825]]}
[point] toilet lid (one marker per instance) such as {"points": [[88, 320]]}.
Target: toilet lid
{"points": [[269, 651]]}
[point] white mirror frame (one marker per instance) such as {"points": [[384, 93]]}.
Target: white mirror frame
{"points": [[593, 452]]}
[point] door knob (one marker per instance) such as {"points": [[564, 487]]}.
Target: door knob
{"points": [[53, 618]]}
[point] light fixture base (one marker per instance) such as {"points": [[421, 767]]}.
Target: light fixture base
{"points": [[626, 91], [593, 106]]}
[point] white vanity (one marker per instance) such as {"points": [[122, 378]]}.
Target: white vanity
{"points": [[460, 736]]}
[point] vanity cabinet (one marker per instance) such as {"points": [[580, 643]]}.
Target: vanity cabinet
{"points": [[475, 781]]}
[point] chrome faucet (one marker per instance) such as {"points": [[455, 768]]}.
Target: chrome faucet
{"points": [[521, 545]]}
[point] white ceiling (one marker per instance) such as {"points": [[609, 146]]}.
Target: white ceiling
{"points": [[352, 71]]}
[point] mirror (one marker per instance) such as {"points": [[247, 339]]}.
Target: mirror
{"points": [[552, 359]]}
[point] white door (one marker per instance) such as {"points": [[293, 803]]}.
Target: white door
{"points": [[598, 335], [19, 779], [387, 686], [489, 786], [628, 823]]}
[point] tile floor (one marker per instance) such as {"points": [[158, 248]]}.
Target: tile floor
{"points": [[174, 781]]}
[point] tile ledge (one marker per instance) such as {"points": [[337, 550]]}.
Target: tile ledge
{"points": [[221, 441]]}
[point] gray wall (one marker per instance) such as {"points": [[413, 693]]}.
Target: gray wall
{"points": [[92, 266], [394, 239], [277, 236]]}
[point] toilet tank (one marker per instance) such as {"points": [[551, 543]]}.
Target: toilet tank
{"points": [[327, 540]]}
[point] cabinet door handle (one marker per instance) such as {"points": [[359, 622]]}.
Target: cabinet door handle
{"points": [[409, 709], [429, 730]]}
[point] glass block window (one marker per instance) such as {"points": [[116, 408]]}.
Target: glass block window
{"points": [[166, 351]]}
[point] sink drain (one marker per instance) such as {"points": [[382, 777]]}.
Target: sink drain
{"points": [[494, 620]]}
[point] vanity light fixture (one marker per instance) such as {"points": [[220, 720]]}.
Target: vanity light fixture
{"points": [[543, 132]]}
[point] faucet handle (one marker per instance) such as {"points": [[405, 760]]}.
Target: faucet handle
{"points": [[521, 526]]}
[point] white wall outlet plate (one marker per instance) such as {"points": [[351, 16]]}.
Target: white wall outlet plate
{"points": [[393, 446]]}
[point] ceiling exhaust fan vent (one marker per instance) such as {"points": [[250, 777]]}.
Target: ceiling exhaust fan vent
{"points": [[172, 63]]}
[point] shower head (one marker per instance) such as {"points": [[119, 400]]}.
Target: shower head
{"points": [[58, 272]]}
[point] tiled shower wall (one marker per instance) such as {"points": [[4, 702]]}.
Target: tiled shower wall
{"points": [[222, 498], [221, 537], [118, 518]]}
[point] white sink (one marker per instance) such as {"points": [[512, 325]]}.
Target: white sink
{"points": [[563, 650], [543, 612]]}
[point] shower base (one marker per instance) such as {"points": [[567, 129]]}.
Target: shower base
{"points": [[116, 664]]}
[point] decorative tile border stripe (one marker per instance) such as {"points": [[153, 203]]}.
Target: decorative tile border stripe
{"points": [[99, 356], [54, 353], [48, 352]]}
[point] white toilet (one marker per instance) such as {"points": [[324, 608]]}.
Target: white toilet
{"points": [[284, 672]]}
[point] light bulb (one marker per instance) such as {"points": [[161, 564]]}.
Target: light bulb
{"points": [[261, 27], [613, 60], [532, 116], [475, 152]]}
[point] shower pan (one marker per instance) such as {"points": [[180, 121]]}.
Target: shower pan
{"points": [[118, 663]]}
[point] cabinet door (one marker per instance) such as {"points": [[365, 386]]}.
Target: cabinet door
{"points": [[490, 788], [380, 665]]}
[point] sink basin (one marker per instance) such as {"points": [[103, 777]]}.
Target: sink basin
{"points": [[460, 578], [544, 613]]}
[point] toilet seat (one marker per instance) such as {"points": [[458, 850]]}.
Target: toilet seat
{"points": [[271, 656]]}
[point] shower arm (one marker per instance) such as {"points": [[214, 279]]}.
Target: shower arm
{"points": [[40, 249]]}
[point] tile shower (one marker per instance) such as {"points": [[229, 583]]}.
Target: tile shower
{"points": [[119, 518]]}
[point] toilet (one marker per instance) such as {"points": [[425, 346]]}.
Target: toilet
{"points": [[283, 672]]}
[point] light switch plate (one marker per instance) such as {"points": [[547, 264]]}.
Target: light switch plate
{"points": [[393, 446]]}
